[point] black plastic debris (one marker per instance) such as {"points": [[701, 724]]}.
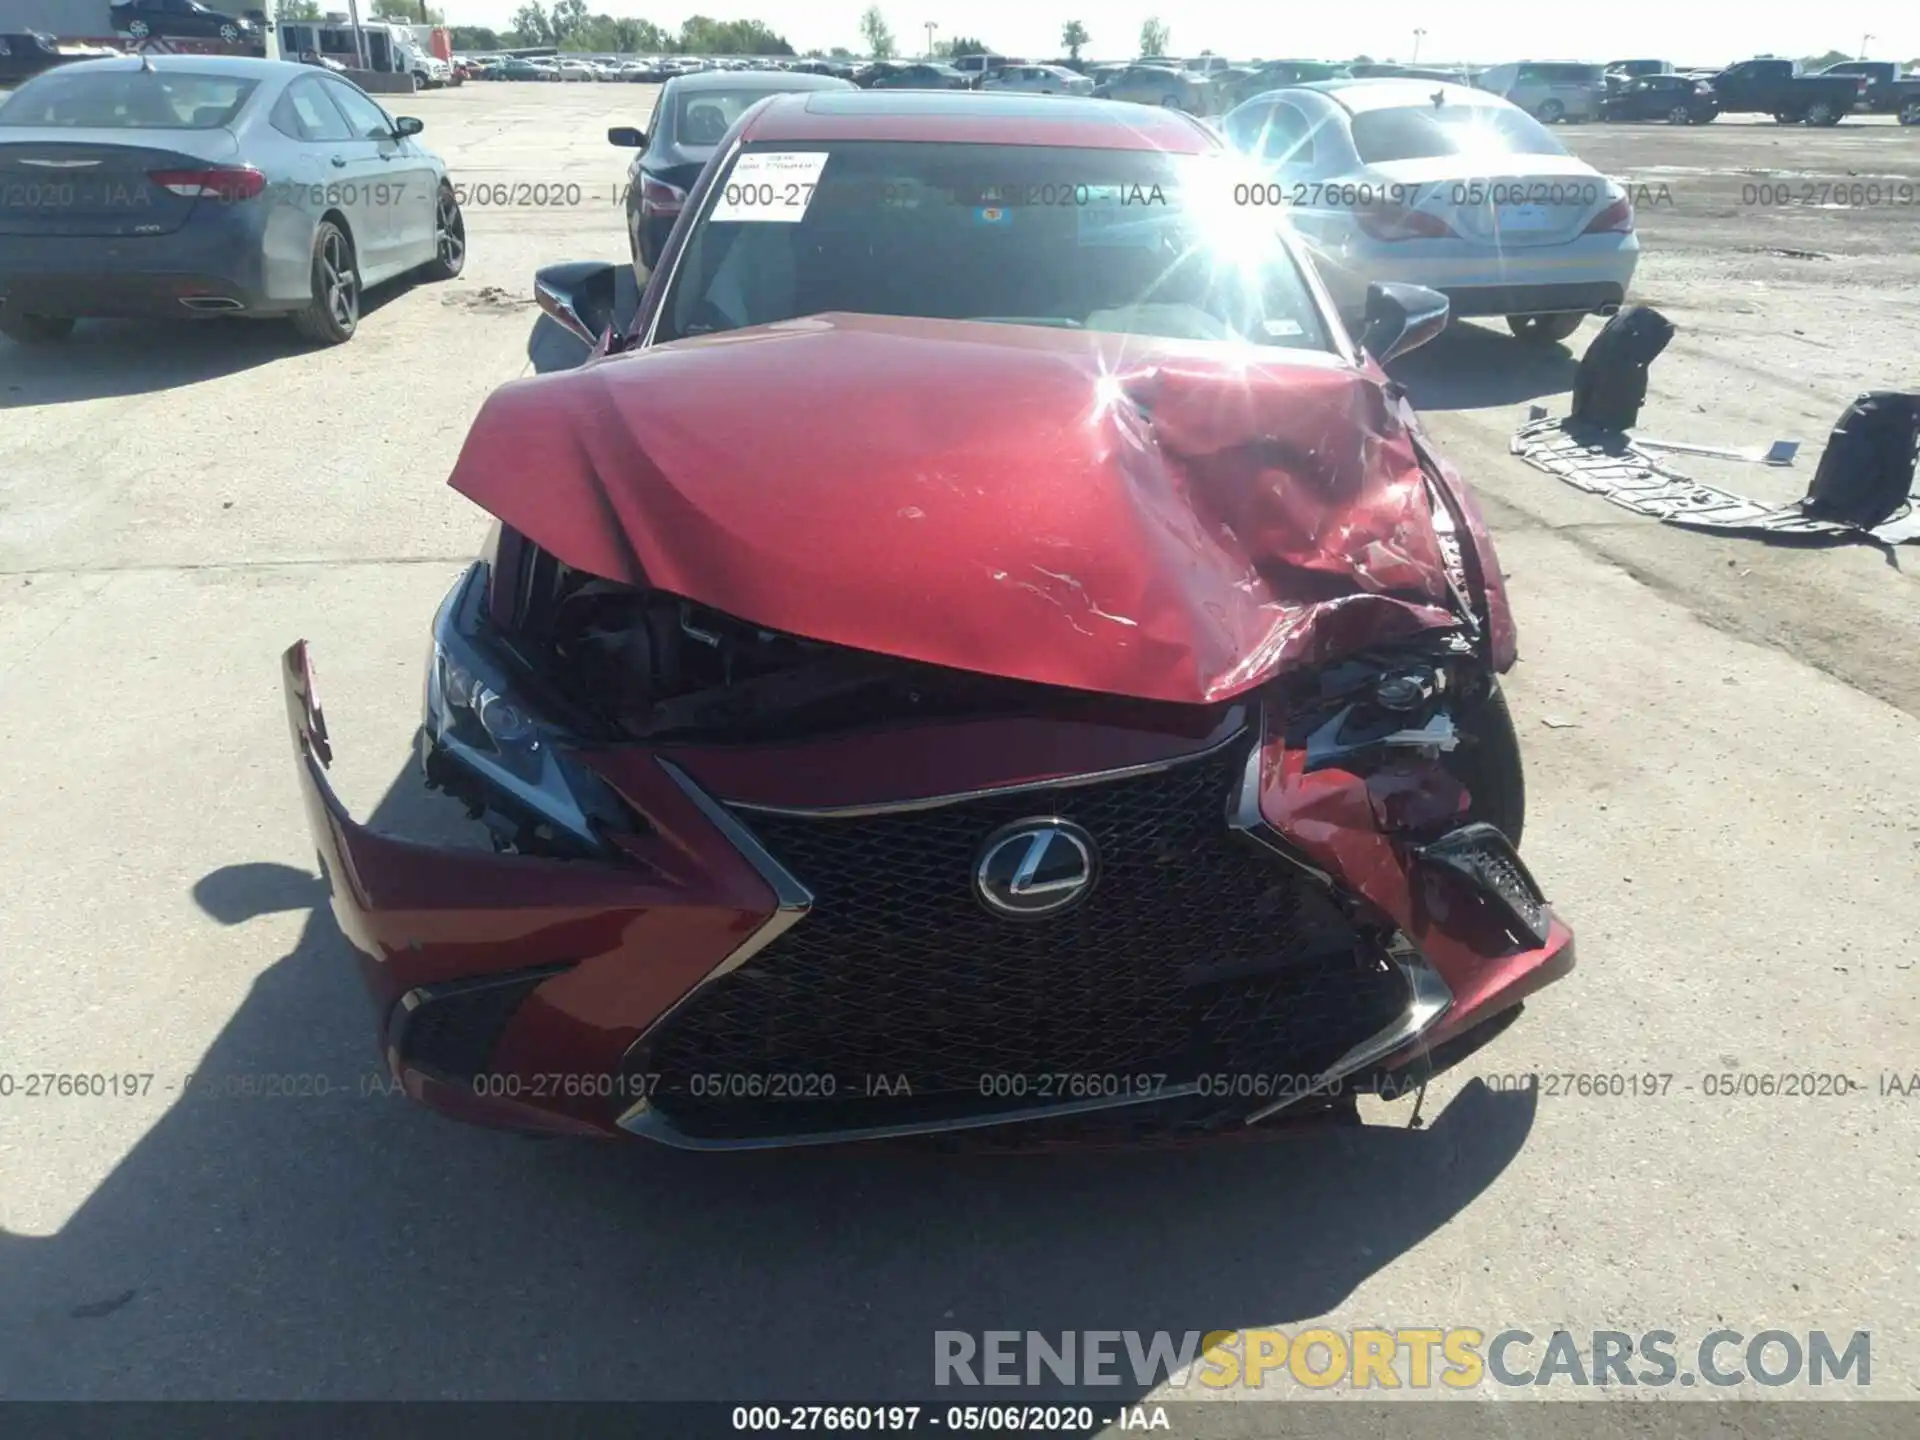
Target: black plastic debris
{"points": [[1611, 384], [1866, 471], [1863, 489]]}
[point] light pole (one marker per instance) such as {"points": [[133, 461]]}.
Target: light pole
{"points": [[1418, 36], [932, 25], [1863, 44]]}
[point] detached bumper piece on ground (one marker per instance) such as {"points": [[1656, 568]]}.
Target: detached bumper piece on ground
{"points": [[1864, 488]]}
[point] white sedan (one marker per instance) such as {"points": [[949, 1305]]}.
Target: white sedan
{"points": [[1038, 80], [1442, 186], [575, 70]]}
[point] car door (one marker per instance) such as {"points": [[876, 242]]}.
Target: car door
{"points": [[219, 24], [416, 201], [1577, 87], [409, 179], [167, 17], [362, 176], [317, 137]]}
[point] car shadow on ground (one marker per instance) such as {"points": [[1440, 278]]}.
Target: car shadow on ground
{"points": [[1469, 366], [353, 1245], [103, 359]]}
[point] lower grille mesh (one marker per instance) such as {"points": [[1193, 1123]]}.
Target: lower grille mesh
{"points": [[1196, 953], [451, 1030]]}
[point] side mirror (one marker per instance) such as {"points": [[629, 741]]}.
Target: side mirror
{"points": [[628, 136], [579, 296], [1400, 318], [408, 125]]}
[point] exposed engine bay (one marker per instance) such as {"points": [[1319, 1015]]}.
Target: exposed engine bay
{"points": [[653, 666], [612, 664], [646, 665]]}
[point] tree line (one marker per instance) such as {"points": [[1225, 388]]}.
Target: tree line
{"points": [[567, 25]]}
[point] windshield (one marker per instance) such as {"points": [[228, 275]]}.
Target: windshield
{"points": [[1134, 242], [1423, 132], [127, 100], [703, 117]]}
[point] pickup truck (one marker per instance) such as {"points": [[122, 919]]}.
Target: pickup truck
{"points": [[1887, 91], [1779, 88]]}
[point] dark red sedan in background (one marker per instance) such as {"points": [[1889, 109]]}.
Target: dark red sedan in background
{"points": [[978, 645]]}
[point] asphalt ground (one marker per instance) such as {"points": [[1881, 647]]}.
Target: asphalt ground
{"points": [[1720, 737]]}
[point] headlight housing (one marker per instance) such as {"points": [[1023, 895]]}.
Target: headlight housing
{"points": [[474, 717]]}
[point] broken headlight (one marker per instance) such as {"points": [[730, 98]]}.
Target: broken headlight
{"points": [[475, 719]]}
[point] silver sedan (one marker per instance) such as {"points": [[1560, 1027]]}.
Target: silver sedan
{"points": [[1442, 186], [1038, 80], [211, 185]]}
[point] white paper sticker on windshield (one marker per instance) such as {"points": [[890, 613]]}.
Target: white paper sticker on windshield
{"points": [[771, 186]]}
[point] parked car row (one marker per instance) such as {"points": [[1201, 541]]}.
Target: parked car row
{"points": [[1553, 92], [1660, 90], [656, 70]]}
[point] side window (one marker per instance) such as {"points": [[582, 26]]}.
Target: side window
{"points": [[366, 119], [1287, 138], [311, 117], [283, 118], [1243, 130]]}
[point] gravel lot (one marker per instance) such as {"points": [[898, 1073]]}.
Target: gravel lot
{"points": [[1716, 733]]}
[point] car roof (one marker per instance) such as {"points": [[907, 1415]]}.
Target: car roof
{"points": [[249, 66], [768, 80], [1392, 92], [978, 117]]}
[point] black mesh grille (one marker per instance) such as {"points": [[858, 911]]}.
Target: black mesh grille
{"points": [[451, 1032], [1197, 952]]}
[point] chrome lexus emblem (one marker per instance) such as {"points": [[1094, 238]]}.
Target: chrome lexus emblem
{"points": [[1035, 867]]}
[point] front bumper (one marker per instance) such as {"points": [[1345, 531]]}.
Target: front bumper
{"points": [[595, 997]]}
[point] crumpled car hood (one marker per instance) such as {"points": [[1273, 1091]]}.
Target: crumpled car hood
{"points": [[1164, 520]]}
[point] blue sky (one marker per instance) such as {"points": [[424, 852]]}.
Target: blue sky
{"points": [[1702, 32]]}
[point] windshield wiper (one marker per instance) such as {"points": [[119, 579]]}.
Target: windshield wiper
{"points": [[1059, 322]]}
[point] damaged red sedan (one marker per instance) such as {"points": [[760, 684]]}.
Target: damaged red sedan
{"points": [[975, 644]]}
